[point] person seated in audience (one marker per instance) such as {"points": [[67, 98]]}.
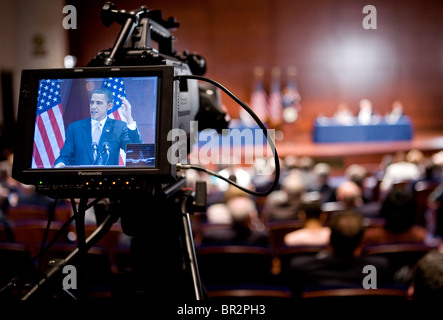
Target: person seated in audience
{"points": [[246, 227], [398, 209], [357, 174], [400, 171], [339, 266], [218, 214], [427, 281], [285, 203], [314, 231], [327, 191], [309, 179], [349, 196]]}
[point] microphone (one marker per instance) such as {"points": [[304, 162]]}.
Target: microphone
{"points": [[95, 148], [107, 150]]}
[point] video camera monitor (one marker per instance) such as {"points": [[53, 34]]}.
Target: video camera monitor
{"points": [[58, 108]]}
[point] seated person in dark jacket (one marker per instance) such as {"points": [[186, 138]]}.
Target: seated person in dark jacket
{"points": [[339, 266], [246, 228]]}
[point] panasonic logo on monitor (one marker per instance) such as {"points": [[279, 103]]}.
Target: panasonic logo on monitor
{"points": [[90, 173]]}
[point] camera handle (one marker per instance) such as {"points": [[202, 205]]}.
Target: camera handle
{"points": [[138, 28]]}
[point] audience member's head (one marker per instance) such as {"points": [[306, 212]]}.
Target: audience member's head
{"points": [[293, 184], [243, 211], [349, 193], [398, 208], [356, 173], [428, 277], [218, 213], [322, 170], [346, 232], [400, 156], [290, 162], [311, 210], [415, 156], [306, 163]]}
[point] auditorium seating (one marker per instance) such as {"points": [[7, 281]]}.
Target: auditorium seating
{"points": [[31, 233], [15, 262], [286, 254], [266, 295], [234, 264], [277, 231], [356, 294], [402, 257], [422, 190]]}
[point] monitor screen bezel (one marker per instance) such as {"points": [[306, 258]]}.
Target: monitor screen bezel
{"points": [[166, 119]]}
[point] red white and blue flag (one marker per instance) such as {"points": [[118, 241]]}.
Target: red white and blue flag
{"points": [[275, 102], [117, 88], [49, 134], [258, 101]]}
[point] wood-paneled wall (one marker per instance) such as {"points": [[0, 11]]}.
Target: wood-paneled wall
{"points": [[336, 58]]}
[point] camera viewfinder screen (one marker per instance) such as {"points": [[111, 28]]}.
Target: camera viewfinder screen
{"points": [[88, 122]]}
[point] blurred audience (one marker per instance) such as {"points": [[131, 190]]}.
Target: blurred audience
{"points": [[327, 191], [349, 196], [285, 203], [339, 266], [246, 228], [398, 209], [427, 282], [314, 231], [401, 171]]}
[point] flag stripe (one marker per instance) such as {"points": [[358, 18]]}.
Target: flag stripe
{"points": [[258, 101], [40, 148], [55, 129], [45, 139], [275, 107], [37, 159], [60, 130]]}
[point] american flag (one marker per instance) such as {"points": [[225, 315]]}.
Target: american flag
{"points": [[117, 87], [49, 134], [258, 100], [275, 102]]}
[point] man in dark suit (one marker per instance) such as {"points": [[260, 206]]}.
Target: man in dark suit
{"points": [[340, 266], [97, 140]]}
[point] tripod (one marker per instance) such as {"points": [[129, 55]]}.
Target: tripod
{"points": [[176, 197]]}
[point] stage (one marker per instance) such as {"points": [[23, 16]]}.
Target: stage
{"points": [[368, 153]]}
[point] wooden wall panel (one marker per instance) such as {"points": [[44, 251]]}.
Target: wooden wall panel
{"points": [[337, 59]]}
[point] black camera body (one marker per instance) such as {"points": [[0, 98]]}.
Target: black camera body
{"points": [[164, 105]]}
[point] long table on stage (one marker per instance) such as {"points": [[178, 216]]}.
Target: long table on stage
{"points": [[326, 130]]}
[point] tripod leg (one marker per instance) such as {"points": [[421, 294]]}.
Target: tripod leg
{"points": [[192, 258], [79, 214]]}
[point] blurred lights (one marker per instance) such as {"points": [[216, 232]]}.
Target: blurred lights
{"points": [[70, 61]]}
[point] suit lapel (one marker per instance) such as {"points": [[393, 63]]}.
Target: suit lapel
{"points": [[87, 138]]}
